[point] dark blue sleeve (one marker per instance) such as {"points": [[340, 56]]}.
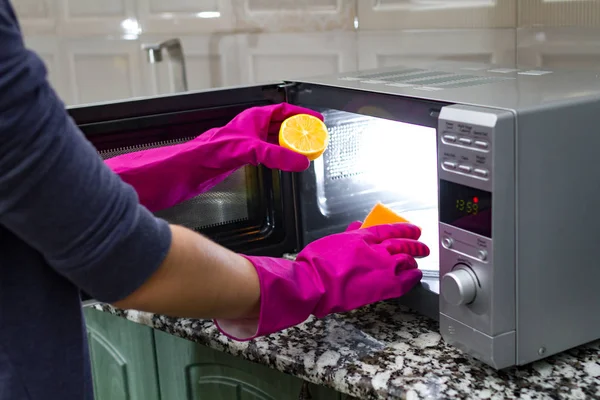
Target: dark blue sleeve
{"points": [[57, 194]]}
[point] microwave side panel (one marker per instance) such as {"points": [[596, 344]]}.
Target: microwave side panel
{"points": [[251, 211], [558, 242]]}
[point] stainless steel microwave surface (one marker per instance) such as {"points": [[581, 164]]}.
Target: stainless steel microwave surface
{"points": [[496, 165], [516, 89]]}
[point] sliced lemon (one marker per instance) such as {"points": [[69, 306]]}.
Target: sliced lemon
{"points": [[304, 134]]}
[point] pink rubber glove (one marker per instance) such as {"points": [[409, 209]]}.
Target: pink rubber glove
{"points": [[166, 176], [334, 274]]}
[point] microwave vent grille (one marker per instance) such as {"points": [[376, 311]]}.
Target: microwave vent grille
{"points": [[425, 79], [344, 143], [226, 203]]}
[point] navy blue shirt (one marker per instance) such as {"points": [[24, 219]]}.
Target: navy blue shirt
{"points": [[66, 223]]}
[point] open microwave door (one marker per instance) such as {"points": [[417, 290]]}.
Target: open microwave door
{"points": [[265, 212], [251, 211], [382, 148]]}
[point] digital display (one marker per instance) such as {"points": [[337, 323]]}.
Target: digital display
{"points": [[466, 208]]}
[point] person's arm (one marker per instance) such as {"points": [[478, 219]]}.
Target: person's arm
{"points": [[199, 279], [59, 197]]}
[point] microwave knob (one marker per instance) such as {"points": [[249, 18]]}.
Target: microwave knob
{"points": [[459, 286], [447, 242]]}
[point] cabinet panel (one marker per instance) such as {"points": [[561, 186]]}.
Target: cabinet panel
{"points": [[555, 13], [294, 15], [189, 371], [104, 69], [385, 49], [272, 57], [36, 16], [572, 48], [92, 8], [436, 14], [123, 358], [78, 18], [186, 17], [49, 50]]}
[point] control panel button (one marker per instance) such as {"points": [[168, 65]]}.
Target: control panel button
{"points": [[465, 168], [481, 172], [465, 141], [450, 164], [481, 144], [459, 286], [447, 242], [450, 138], [482, 255]]}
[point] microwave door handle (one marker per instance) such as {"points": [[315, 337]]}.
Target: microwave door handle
{"points": [[176, 61]]}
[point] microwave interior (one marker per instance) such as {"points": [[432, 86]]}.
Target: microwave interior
{"points": [[249, 212], [370, 160], [374, 159], [385, 158]]}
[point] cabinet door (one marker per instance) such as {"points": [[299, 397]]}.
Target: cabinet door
{"points": [[282, 56], [558, 13], [184, 16], [189, 371], [36, 17], [123, 358], [569, 48], [81, 18], [294, 15], [436, 14], [100, 69], [48, 48], [382, 49]]}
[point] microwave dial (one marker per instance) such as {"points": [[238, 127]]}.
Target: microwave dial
{"points": [[459, 287]]}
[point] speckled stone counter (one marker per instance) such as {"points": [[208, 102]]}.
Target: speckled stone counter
{"points": [[385, 351]]}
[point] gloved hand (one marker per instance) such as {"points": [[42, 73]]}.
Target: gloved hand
{"points": [[166, 176], [337, 273]]}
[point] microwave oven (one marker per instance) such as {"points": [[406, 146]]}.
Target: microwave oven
{"points": [[498, 166]]}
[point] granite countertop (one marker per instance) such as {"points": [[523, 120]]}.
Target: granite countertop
{"points": [[385, 351]]}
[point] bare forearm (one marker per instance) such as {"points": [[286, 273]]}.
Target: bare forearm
{"points": [[198, 279]]}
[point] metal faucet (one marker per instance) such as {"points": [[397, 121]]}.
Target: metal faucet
{"points": [[175, 53]]}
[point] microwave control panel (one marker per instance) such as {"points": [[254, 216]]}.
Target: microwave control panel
{"points": [[465, 172], [465, 153], [473, 290]]}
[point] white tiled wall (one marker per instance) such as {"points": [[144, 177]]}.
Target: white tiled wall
{"points": [[93, 47]]}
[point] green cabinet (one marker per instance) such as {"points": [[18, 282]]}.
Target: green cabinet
{"points": [[123, 359], [132, 361], [189, 371]]}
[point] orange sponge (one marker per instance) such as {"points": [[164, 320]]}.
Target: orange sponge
{"points": [[381, 214]]}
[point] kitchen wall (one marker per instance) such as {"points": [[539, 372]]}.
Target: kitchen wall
{"points": [[93, 48]]}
